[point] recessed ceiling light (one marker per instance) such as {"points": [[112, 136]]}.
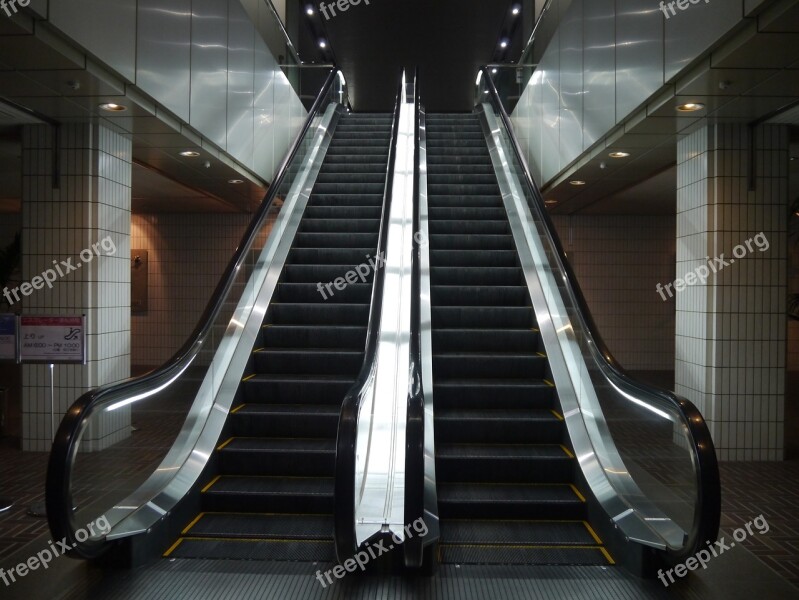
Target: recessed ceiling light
{"points": [[690, 107], [190, 153], [111, 107], [550, 202], [516, 10], [235, 181], [309, 11], [494, 71], [619, 154], [504, 43], [322, 44], [577, 182]]}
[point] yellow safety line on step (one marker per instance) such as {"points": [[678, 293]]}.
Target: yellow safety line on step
{"points": [[225, 443], [592, 532], [173, 547], [577, 492], [607, 555], [248, 377], [567, 451], [240, 406], [557, 414], [549, 383], [257, 540], [213, 481], [192, 524]]}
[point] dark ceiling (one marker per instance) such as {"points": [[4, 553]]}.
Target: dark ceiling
{"points": [[448, 40]]}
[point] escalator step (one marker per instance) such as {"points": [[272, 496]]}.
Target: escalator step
{"points": [[485, 340], [462, 226], [307, 420], [314, 337], [498, 463], [282, 389], [464, 295], [518, 532], [352, 293], [318, 314], [498, 426], [483, 317], [491, 276], [524, 555], [466, 500], [487, 366], [314, 495], [495, 393], [473, 258], [318, 362], [306, 457], [277, 550], [262, 526], [470, 242]]}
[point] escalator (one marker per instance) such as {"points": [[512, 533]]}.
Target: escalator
{"points": [[271, 497], [507, 491]]}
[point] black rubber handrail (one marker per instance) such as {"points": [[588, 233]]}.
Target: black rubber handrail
{"points": [[707, 511], [58, 493], [414, 429], [344, 516]]}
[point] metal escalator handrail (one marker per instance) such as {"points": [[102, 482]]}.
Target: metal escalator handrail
{"points": [[707, 512], [345, 473], [58, 495], [414, 429]]}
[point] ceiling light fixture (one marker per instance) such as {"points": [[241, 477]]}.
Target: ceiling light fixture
{"points": [[111, 107], [190, 153], [516, 9], [504, 44], [690, 107], [577, 182], [550, 202], [309, 11], [494, 71], [322, 44], [235, 181], [619, 154]]}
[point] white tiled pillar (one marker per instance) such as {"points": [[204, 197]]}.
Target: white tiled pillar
{"points": [[731, 330], [85, 221]]}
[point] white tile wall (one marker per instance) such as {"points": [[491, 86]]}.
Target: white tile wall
{"points": [[91, 205], [618, 261], [731, 331]]}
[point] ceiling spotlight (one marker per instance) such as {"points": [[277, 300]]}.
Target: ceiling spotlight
{"points": [[577, 182], [111, 107], [190, 154], [504, 44], [690, 107], [235, 181], [322, 44], [550, 202], [309, 10], [516, 9], [494, 71], [619, 154]]}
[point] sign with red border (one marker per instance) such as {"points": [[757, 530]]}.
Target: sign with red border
{"points": [[51, 340]]}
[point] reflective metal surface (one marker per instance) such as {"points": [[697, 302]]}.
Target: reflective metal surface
{"points": [[426, 333], [599, 70], [380, 445], [639, 53], [163, 52], [240, 74], [209, 63]]}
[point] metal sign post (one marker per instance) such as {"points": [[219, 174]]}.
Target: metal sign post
{"points": [[51, 340]]}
